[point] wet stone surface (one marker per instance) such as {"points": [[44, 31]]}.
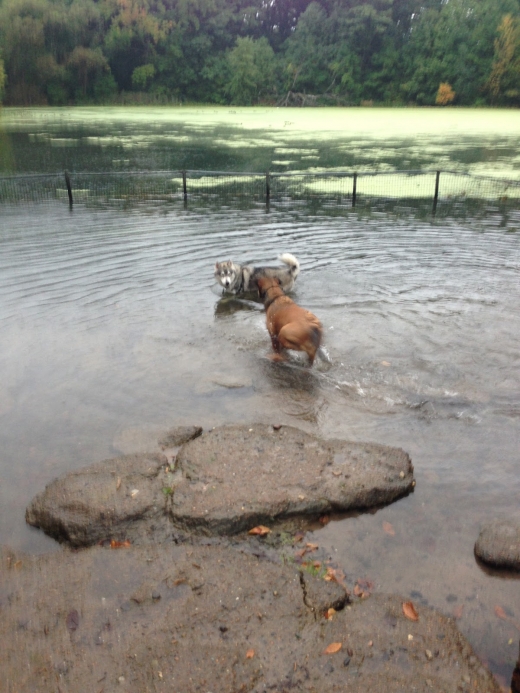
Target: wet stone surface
{"points": [[224, 482], [213, 618], [498, 544]]}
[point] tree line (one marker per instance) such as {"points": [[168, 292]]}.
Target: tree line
{"points": [[245, 52]]}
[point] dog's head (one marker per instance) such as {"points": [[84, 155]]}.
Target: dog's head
{"points": [[266, 283], [225, 273]]}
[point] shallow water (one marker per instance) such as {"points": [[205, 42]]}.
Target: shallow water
{"points": [[112, 326]]}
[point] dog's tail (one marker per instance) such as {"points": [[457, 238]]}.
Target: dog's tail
{"points": [[293, 263]]}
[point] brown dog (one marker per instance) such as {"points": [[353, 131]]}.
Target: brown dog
{"points": [[290, 326]]}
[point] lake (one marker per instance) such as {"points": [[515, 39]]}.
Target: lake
{"points": [[113, 329]]}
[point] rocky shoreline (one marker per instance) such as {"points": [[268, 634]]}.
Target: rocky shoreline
{"points": [[186, 569]]}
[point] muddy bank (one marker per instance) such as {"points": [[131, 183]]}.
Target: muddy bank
{"points": [[213, 618], [171, 600], [223, 482]]}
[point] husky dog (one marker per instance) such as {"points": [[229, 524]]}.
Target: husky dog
{"points": [[238, 279]]}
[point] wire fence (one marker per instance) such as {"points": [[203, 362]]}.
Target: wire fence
{"points": [[352, 189]]}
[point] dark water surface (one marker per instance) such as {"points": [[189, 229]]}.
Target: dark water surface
{"points": [[111, 325]]}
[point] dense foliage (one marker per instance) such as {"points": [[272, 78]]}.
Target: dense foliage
{"points": [[294, 52]]}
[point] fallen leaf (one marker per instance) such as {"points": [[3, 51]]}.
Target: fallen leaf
{"points": [[72, 620], [261, 531], [499, 611], [333, 648], [324, 519], [410, 612], [120, 544], [330, 613], [457, 611], [307, 549], [299, 536], [250, 654], [387, 527], [336, 575]]}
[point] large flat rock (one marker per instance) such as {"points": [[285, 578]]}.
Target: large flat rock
{"points": [[198, 619], [236, 476], [225, 481]]}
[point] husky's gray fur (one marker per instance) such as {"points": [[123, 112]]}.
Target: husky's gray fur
{"points": [[238, 279]]}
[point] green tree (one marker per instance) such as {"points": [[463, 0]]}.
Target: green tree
{"points": [[87, 65], [3, 80], [504, 80], [452, 43], [135, 29], [308, 54], [251, 71]]}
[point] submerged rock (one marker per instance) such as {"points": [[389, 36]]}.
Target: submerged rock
{"points": [[185, 618], [498, 544], [225, 481]]}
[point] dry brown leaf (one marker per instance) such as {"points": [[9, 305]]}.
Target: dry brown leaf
{"points": [[336, 575], [311, 547], [330, 613], [324, 519], [250, 654], [499, 611], [387, 527], [333, 648], [260, 530], [120, 544], [410, 611]]}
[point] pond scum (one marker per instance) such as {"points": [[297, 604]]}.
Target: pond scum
{"points": [[426, 190]]}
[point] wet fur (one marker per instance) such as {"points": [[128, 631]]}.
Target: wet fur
{"points": [[290, 325], [237, 279]]}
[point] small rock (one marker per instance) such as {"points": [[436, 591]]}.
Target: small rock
{"points": [[498, 544]]}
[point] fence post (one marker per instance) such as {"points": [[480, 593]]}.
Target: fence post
{"points": [[354, 190], [436, 195], [267, 188], [184, 186], [69, 188]]}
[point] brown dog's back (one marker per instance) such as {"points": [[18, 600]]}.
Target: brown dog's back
{"points": [[290, 325]]}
